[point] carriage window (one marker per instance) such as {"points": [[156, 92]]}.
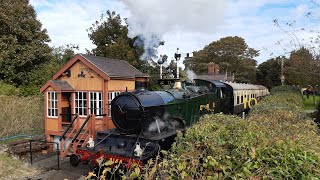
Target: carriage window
{"points": [[96, 103], [238, 100], [241, 99], [52, 104], [111, 96], [81, 103]]}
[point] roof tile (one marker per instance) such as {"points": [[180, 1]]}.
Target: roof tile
{"points": [[114, 67]]}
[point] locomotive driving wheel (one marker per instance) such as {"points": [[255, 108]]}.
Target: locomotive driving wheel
{"points": [[75, 160]]}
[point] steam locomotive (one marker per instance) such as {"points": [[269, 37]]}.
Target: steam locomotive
{"points": [[147, 121]]}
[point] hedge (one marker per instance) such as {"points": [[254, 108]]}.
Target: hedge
{"points": [[276, 141]]}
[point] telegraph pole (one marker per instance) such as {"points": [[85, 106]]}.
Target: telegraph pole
{"points": [[282, 78]]}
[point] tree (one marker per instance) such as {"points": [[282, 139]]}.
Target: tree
{"points": [[60, 55], [302, 69], [110, 36], [269, 72], [63, 54], [23, 43], [233, 56]]}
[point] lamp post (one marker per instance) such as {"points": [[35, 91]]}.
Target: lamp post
{"points": [[177, 56], [160, 62]]}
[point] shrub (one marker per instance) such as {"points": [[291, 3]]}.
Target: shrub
{"points": [[276, 142], [29, 90], [7, 89]]}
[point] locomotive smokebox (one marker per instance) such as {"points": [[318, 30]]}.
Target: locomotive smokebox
{"points": [[133, 112]]}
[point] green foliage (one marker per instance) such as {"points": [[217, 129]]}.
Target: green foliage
{"points": [[276, 141], [310, 102], [285, 89], [7, 89], [112, 41], [10, 90], [302, 69], [23, 42], [233, 56], [269, 72]]}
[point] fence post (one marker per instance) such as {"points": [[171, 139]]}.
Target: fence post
{"points": [[58, 154], [30, 148]]}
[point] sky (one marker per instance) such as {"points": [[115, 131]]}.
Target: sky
{"points": [[189, 25]]}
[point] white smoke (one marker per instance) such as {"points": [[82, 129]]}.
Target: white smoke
{"points": [[163, 124], [157, 125], [191, 75], [151, 19]]}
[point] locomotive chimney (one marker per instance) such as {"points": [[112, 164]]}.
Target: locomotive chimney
{"points": [[177, 85]]}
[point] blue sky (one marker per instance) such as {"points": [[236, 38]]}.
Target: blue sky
{"points": [[187, 24]]}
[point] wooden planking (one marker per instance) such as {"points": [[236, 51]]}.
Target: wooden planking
{"points": [[120, 85], [23, 146], [52, 124], [91, 82], [26, 140]]}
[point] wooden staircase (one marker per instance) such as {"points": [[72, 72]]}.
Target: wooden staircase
{"points": [[73, 138]]}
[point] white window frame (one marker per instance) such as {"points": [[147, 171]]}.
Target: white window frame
{"points": [[96, 103], [111, 96], [52, 104], [83, 110]]}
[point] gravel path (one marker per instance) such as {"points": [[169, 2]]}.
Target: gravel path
{"points": [[67, 171]]}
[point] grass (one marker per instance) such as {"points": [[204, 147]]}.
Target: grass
{"points": [[309, 103], [13, 168], [20, 115]]}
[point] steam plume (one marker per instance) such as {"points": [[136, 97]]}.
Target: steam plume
{"points": [[151, 19]]}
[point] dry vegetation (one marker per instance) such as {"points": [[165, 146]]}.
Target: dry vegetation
{"points": [[13, 168], [20, 115]]}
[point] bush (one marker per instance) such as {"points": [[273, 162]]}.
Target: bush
{"points": [[275, 142], [7, 89], [10, 90], [29, 90]]}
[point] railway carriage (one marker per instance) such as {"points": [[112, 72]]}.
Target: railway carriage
{"points": [[244, 96]]}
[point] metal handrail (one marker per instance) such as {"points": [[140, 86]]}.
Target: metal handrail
{"points": [[104, 139], [44, 141], [79, 131], [65, 132]]}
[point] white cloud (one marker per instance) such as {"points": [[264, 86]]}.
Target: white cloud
{"points": [[178, 21], [67, 21]]}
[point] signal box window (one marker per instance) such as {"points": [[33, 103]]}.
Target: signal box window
{"points": [[111, 96], [52, 104], [81, 103], [96, 103]]}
